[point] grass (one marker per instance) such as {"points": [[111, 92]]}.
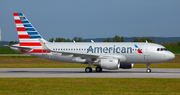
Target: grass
{"points": [[90, 86], [34, 62], [174, 49], [7, 50]]}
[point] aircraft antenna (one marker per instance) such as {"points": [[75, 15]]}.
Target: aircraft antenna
{"points": [[92, 41]]}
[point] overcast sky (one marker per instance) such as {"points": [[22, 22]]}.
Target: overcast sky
{"points": [[93, 18]]}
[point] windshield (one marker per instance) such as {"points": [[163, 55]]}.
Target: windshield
{"points": [[161, 49]]}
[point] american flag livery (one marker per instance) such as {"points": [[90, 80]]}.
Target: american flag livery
{"points": [[28, 35]]}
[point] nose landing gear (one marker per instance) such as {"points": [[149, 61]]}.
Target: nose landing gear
{"points": [[148, 68]]}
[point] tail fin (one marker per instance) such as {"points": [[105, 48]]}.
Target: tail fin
{"points": [[28, 35]]}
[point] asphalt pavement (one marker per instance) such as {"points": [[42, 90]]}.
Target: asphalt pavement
{"points": [[80, 73]]}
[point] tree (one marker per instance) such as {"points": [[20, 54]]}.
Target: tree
{"points": [[51, 39], [178, 43], [135, 39], [117, 39], [13, 42], [107, 40], [77, 39], [122, 39]]}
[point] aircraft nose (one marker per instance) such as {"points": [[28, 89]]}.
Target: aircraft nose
{"points": [[170, 56]]}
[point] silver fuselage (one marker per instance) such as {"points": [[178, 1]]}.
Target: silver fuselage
{"points": [[125, 51]]}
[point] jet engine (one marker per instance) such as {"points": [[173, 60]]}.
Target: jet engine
{"points": [[126, 65], [110, 64]]}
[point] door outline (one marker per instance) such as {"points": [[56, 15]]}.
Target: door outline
{"points": [[146, 50]]}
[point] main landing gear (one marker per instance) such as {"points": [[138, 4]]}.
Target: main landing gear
{"points": [[98, 69], [89, 69], [148, 68]]}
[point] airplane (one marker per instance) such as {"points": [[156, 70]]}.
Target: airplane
{"points": [[104, 55]]}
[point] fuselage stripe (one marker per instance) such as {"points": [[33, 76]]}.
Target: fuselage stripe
{"points": [[30, 44], [35, 51]]}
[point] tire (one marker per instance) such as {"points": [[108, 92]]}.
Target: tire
{"points": [[98, 69], [148, 70], [88, 69]]}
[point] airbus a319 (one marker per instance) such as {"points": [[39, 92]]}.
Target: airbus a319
{"points": [[104, 55]]}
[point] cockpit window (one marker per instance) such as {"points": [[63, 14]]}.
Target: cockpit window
{"points": [[158, 49], [165, 49], [161, 49]]}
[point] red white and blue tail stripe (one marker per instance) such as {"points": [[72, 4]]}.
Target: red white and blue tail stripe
{"points": [[28, 35]]}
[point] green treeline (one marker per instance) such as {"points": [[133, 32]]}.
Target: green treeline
{"points": [[76, 39], [116, 38]]}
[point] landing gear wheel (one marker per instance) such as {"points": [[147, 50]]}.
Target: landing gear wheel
{"points": [[98, 69], [88, 69], [148, 67], [148, 70]]}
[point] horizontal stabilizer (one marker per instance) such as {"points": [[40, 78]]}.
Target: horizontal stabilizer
{"points": [[20, 47]]}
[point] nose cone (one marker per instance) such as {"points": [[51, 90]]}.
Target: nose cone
{"points": [[170, 56]]}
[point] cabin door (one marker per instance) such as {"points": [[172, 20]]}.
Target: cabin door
{"points": [[146, 50]]}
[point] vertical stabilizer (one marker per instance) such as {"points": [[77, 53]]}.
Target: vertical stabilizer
{"points": [[28, 35]]}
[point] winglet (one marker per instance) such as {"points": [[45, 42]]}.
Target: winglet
{"points": [[43, 45]]}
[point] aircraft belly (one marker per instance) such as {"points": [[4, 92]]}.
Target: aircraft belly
{"points": [[136, 58]]}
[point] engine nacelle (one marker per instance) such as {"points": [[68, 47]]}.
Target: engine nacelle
{"points": [[126, 65], [110, 64]]}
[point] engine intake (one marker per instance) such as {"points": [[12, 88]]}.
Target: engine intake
{"points": [[110, 64]]}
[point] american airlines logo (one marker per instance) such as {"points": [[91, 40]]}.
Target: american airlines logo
{"points": [[109, 49], [138, 49]]}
